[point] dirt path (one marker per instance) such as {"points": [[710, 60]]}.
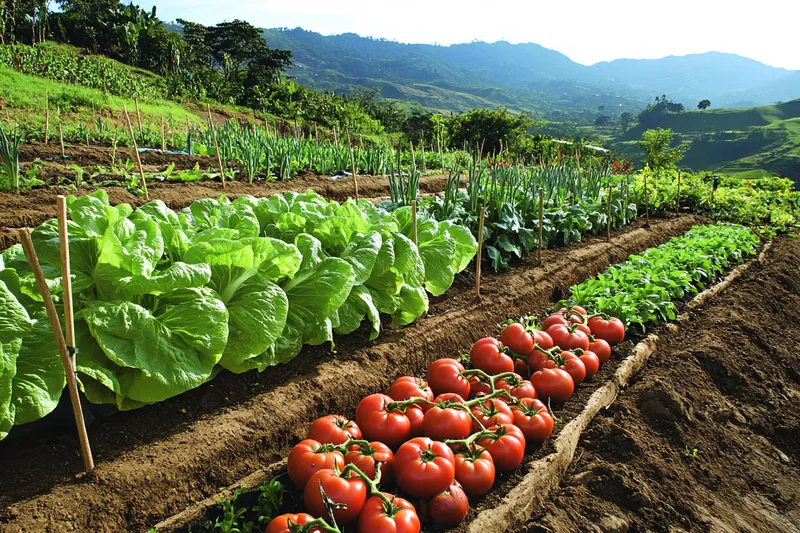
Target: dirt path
{"points": [[154, 461], [733, 395]]}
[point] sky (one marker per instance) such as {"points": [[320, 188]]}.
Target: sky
{"points": [[586, 31]]}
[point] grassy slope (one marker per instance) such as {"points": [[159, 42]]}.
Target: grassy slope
{"points": [[746, 142]]}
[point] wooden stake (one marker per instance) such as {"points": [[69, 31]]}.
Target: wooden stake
{"points": [[188, 126], [163, 139], [608, 213], [678, 196], [46, 117], [61, 140], [55, 323], [216, 146], [480, 253], [541, 222], [138, 114], [355, 175], [335, 138], [66, 279], [422, 147], [414, 221], [136, 152], [646, 204]]}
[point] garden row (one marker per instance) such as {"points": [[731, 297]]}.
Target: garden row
{"points": [[442, 439]]}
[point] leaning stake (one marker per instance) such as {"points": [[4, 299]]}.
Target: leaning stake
{"points": [[608, 213], [46, 117], [138, 114], [480, 253], [30, 253], [355, 176], [216, 146], [61, 140], [136, 152], [541, 218]]}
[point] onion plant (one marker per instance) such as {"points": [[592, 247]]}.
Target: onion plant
{"points": [[9, 159]]}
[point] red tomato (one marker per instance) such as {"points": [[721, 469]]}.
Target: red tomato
{"points": [[281, 523], [611, 330], [591, 362], [490, 413], [601, 348], [475, 471], [584, 328], [522, 368], [307, 457], [571, 363], [333, 429], [444, 375], [349, 491], [397, 516], [517, 387], [377, 423], [449, 507], [556, 319], [569, 337], [478, 386], [517, 338], [543, 339], [423, 467], [365, 457], [576, 315], [490, 357], [416, 416], [408, 387], [533, 418], [507, 446], [537, 359], [553, 383], [445, 420]]}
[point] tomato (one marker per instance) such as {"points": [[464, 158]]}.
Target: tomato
{"points": [[449, 507], [475, 471], [478, 386], [446, 420], [507, 446], [533, 419], [307, 457], [553, 383], [564, 317], [537, 359], [522, 368], [543, 339], [391, 427], [365, 457], [396, 516], [611, 330], [349, 491], [569, 337], [584, 328], [490, 413], [444, 375], [517, 387], [423, 467], [408, 387], [281, 523], [591, 362], [416, 416], [572, 364], [601, 348], [517, 338], [333, 429], [491, 357]]}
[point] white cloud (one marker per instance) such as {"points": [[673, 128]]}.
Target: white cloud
{"points": [[586, 31]]}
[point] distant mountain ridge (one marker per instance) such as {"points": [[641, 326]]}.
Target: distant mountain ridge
{"points": [[526, 76]]}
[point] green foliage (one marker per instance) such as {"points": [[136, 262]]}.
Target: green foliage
{"points": [[703, 105], [9, 160], [642, 290], [658, 149], [488, 131]]}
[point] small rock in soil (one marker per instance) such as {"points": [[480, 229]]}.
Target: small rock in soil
{"points": [[613, 524]]}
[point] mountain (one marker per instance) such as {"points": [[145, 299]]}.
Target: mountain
{"points": [[526, 76]]}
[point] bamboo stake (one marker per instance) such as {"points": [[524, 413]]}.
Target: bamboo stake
{"points": [[335, 138], [608, 213], [678, 196], [66, 279], [355, 175], [480, 253], [138, 114], [136, 152], [163, 139], [46, 117], [422, 145], [541, 222], [188, 126], [646, 204], [61, 140], [216, 146], [30, 252], [414, 221]]}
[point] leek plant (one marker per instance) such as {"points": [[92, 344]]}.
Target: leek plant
{"points": [[9, 159]]}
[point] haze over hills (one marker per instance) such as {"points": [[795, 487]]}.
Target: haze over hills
{"points": [[526, 76]]}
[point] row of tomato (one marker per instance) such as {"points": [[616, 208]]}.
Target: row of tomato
{"points": [[444, 438]]}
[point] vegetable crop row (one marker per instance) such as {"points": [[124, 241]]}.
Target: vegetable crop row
{"points": [[164, 300]]}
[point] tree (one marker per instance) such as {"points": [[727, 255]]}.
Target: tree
{"points": [[625, 120], [602, 120], [490, 129], [704, 104], [658, 149]]}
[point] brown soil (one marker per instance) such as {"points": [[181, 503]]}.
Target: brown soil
{"points": [[154, 461], [733, 394]]}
